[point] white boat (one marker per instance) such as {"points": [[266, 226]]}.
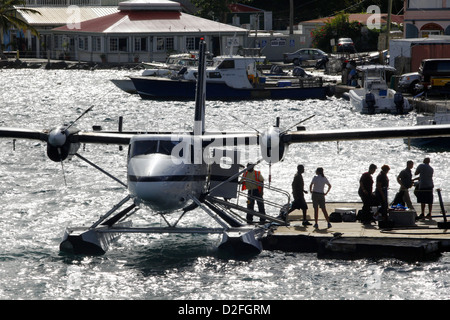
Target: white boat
{"points": [[440, 117], [173, 65], [375, 96]]}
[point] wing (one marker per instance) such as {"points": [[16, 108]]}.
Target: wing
{"points": [[366, 134], [74, 137]]}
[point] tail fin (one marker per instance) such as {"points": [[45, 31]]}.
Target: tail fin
{"points": [[200, 94]]}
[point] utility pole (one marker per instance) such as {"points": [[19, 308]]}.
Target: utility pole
{"points": [[291, 16], [388, 23]]}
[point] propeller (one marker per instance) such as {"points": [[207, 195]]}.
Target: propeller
{"points": [[59, 146]]}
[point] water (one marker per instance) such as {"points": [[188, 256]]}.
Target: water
{"points": [[37, 206]]}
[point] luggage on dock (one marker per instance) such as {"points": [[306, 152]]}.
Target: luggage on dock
{"points": [[398, 199], [335, 217]]}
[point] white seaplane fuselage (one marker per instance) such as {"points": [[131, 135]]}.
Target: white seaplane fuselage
{"points": [[162, 173]]}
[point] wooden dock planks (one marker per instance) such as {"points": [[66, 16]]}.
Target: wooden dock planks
{"points": [[352, 240]]}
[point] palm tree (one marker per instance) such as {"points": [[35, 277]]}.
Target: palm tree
{"points": [[8, 18]]}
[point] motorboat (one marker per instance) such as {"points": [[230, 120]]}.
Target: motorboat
{"points": [[374, 95], [174, 64], [440, 117], [232, 77]]}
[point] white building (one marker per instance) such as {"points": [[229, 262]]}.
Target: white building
{"points": [[145, 30]]}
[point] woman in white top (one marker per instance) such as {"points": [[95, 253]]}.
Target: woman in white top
{"points": [[317, 188]]}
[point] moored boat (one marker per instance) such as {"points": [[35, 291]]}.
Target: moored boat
{"points": [[440, 117], [232, 78], [374, 96]]}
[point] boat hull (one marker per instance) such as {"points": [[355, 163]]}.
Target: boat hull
{"points": [[125, 84], [159, 88], [382, 105], [440, 143]]}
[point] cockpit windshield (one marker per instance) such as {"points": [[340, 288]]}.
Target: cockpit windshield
{"points": [[143, 147]]}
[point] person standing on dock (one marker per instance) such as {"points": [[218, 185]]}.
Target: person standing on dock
{"points": [[253, 182], [426, 185], [298, 191], [365, 191], [317, 188], [381, 190], [406, 181]]}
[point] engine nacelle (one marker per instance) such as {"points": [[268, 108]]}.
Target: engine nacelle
{"points": [[59, 147], [272, 148]]}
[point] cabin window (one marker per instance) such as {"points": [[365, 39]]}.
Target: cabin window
{"points": [[214, 75], [227, 64]]}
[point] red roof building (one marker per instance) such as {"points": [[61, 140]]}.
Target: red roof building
{"points": [[145, 31]]}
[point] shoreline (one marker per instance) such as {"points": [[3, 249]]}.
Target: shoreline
{"points": [[67, 65], [429, 105]]}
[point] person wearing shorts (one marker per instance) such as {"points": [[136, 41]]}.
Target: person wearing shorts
{"points": [[317, 189]]}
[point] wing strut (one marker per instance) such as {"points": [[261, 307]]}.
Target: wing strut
{"points": [[100, 169]]}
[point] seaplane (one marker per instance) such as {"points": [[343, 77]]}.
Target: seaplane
{"points": [[169, 173]]}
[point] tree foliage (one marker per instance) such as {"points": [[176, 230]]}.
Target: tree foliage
{"points": [[215, 10], [340, 27], [8, 15]]}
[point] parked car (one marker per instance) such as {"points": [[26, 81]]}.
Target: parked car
{"points": [[301, 55], [345, 45], [408, 81], [435, 75]]}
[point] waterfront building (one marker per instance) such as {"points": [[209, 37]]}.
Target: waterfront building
{"points": [[426, 17], [137, 30]]}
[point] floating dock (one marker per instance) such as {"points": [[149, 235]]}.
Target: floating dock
{"points": [[423, 240]]}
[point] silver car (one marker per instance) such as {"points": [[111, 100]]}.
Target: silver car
{"points": [[301, 55], [408, 81]]}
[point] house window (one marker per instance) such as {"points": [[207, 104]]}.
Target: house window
{"points": [[58, 42], [164, 44], [140, 44], [192, 43], [96, 44], [83, 43], [118, 44], [425, 4]]}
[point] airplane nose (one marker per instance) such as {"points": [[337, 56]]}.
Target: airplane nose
{"points": [[157, 182]]}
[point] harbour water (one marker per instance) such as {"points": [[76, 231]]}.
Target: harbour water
{"points": [[39, 198]]}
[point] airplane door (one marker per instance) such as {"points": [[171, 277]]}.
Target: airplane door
{"points": [[226, 164]]}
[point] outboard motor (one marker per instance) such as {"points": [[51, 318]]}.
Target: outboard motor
{"points": [[299, 72], [370, 101], [322, 63], [399, 102], [275, 69]]}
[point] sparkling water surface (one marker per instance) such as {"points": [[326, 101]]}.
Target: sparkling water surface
{"points": [[37, 205]]}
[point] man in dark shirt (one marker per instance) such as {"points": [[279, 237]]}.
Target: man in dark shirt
{"points": [[382, 190], [298, 191], [406, 181], [365, 189]]}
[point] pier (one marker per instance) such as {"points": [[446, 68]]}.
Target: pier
{"points": [[353, 240]]}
